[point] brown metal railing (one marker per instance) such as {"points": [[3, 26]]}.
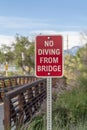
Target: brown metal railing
{"points": [[22, 103], [9, 83]]}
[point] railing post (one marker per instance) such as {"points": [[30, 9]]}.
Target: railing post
{"points": [[20, 81], [30, 97], [40, 92], [21, 115], [0, 97], [3, 86], [7, 121], [36, 94], [41, 87]]}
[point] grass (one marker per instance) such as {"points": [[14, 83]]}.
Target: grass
{"points": [[78, 126]]}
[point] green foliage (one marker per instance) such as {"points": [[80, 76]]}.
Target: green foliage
{"points": [[80, 126], [6, 54], [75, 67], [70, 108], [23, 46], [38, 123], [20, 45], [31, 55], [83, 82], [70, 69], [1, 56], [82, 78]]}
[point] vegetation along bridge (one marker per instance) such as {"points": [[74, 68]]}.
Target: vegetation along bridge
{"points": [[21, 97]]}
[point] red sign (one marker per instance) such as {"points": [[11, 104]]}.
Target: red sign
{"points": [[49, 56]]}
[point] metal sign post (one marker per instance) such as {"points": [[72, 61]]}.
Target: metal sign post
{"points": [[49, 103]]}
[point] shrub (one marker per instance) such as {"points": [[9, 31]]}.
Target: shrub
{"points": [[70, 108], [39, 123]]}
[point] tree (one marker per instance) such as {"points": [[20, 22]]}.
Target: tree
{"points": [[1, 56], [23, 52], [70, 69], [82, 58], [75, 67], [6, 54]]}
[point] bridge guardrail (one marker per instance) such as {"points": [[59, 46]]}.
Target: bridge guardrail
{"points": [[22, 103]]}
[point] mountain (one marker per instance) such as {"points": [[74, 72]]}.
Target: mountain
{"points": [[72, 51]]}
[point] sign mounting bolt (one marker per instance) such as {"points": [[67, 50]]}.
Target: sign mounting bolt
{"points": [[48, 38]]}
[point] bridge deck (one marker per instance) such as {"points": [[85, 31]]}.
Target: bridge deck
{"points": [[1, 117]]}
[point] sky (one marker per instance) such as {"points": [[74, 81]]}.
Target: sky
{"points": [[34, 17]]}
